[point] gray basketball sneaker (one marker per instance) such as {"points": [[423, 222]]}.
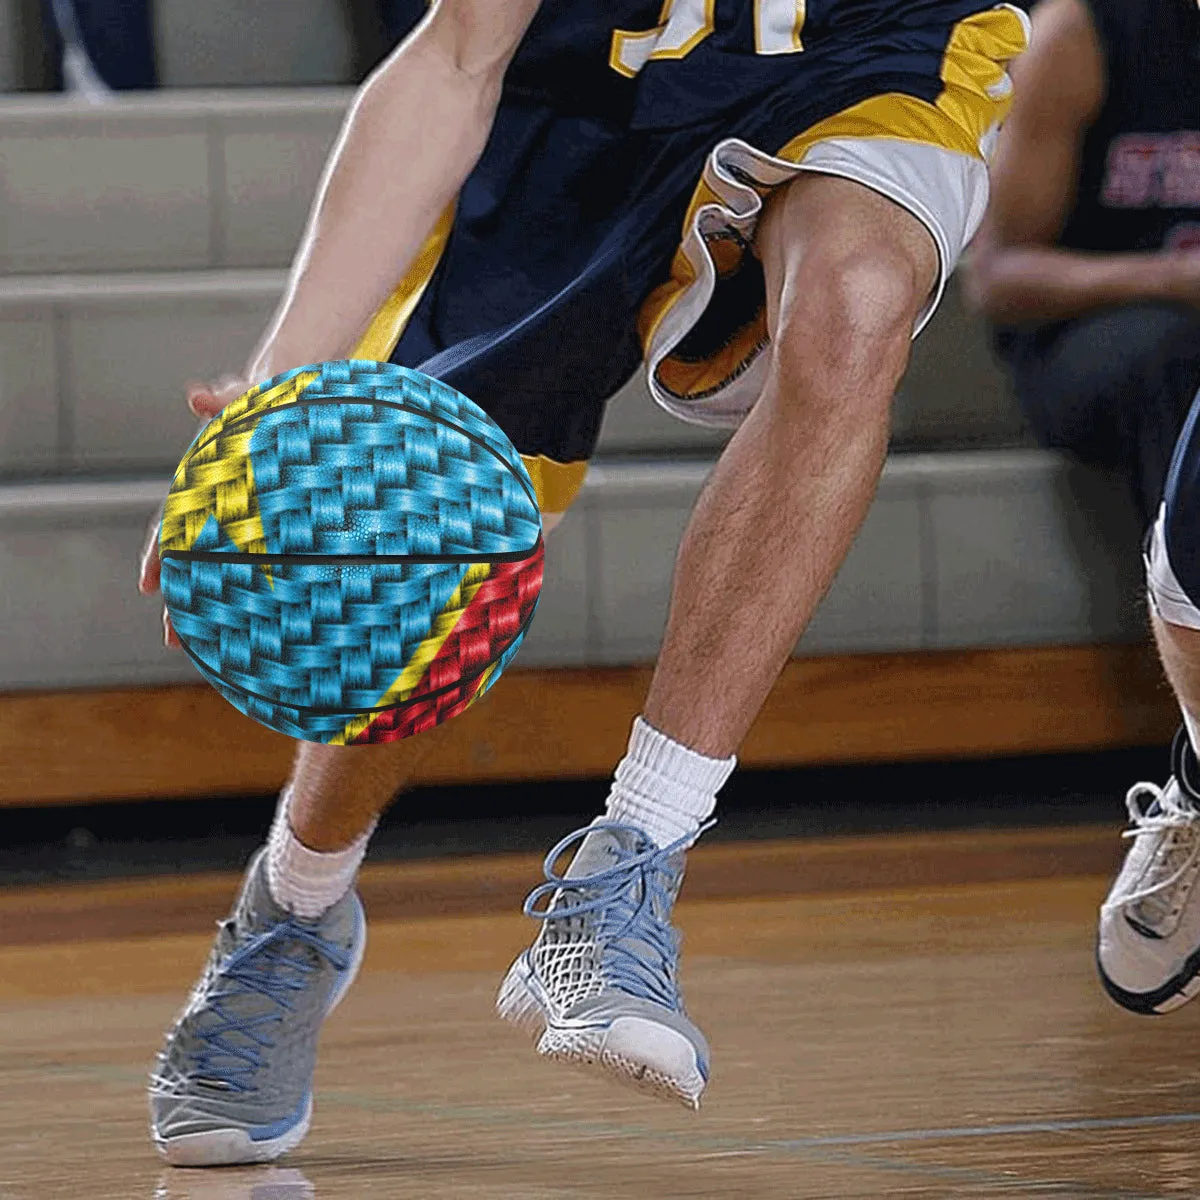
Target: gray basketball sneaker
{"points": [[600, 982], [233, 1082], [1148, 950]]}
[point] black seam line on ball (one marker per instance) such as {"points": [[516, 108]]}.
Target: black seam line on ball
{"points": [[315, 710], [316, 401], [349, 560]]}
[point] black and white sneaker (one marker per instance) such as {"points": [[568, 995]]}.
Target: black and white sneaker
{"points": [[1148, 951]]}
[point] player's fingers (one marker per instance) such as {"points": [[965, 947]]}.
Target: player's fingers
{"points": [[202, 401], [149, 575], [170, 637], [149, 578], [207, 400]]}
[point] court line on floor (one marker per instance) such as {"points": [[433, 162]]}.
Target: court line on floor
{"points": [[947, 1133], [734, 1143]]}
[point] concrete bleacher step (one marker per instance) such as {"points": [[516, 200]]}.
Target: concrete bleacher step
{"points": [[161, 181], [974, 549], [239, 43], [219, 43], [94, 368]]}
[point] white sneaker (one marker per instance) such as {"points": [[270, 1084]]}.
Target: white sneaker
{"points": [[1148, 951], [600, 984], [233, 1082]]}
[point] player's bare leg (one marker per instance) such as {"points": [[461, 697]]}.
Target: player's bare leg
{"points": [[1179, 650], [285, 955], [336, 794], [847, 274]]}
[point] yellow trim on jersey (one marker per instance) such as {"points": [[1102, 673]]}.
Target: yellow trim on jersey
{"points": [[621, 40], [414, 671], [556, 484], [377, 344], [655, 307], [976, 95], [701, 378], [710, 23]]}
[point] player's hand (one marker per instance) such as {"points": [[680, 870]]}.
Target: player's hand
{"points": [[205, 401]]}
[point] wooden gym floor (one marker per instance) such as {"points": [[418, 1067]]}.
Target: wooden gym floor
{"points": [[890, 1016]]}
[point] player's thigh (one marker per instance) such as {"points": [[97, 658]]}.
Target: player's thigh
{"points": [[845, 268]]}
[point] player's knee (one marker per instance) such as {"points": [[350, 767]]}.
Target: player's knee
{"points": [[845, 320]]}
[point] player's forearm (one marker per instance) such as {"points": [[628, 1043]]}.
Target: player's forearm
{"points": [[1046, 283], [415, 132]]}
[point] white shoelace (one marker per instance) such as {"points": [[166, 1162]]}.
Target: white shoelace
{"points": [[1174, 815]]}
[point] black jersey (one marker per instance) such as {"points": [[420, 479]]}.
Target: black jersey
{"points": [[1139, 186]]}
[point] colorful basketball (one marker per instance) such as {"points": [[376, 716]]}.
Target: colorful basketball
{"points": [[351, 552]]}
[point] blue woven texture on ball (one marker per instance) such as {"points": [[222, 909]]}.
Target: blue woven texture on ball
{"points": [[326, 638], [350, 466], [353, 479]]}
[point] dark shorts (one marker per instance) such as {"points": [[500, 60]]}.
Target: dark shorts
{"points": [[583, 243], [1112, 388], [1173, 547]]}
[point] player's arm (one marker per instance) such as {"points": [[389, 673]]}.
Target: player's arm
{"points": [[1014, 271], [412, 136], [415, 131]]}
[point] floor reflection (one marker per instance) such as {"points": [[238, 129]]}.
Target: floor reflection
{"points": [[235, 1183]]}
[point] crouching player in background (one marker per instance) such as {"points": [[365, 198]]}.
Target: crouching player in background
{"points": [[1089, 262]]}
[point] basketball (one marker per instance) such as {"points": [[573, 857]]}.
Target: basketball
{"points": [[351, 552]]}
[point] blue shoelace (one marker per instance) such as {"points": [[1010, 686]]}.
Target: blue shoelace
{"points": [[233, 1047], [639, 948]]}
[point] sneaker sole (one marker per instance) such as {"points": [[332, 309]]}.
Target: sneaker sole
{"points": [[233, 1146], [620, 1047], [1173, 994]]}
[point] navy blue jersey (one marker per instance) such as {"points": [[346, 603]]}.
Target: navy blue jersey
{"points": [[709, 58]]}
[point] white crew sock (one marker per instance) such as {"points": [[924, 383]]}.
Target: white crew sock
{"points": [[308, 882], [663, 788]]}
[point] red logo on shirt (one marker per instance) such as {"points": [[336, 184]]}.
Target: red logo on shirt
{"points": [[1148, 170]]}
